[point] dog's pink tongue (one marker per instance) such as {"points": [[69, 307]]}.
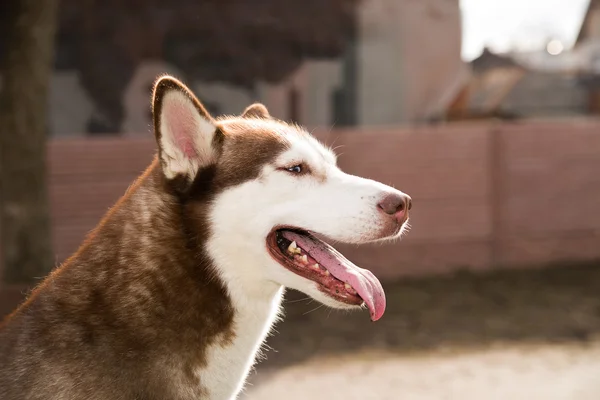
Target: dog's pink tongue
{"points": [[362, 280]]}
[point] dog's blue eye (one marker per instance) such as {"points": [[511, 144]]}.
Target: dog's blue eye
{"points": [[296, 169]]}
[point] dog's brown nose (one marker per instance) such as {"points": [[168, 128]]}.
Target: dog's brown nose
{"points": [[395, 204]]}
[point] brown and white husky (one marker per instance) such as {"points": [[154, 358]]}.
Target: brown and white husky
{"points": [[173, 293]]}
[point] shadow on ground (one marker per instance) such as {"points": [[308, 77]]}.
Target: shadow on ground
{"points": [[558, 304]]}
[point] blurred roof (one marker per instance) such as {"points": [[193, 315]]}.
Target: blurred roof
{"points": [[587, 21], [488, 60]]}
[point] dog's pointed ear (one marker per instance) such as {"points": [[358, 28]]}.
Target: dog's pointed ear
{"points": [[186, 134], [256, 110]]}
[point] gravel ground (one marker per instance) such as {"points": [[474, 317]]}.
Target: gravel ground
{"points": [[531, 334]]}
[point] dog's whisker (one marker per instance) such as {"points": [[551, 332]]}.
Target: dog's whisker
{"points": [[314, 309], [299, 300]]}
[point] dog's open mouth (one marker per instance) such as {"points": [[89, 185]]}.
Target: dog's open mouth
{"points": [[336, 276]]}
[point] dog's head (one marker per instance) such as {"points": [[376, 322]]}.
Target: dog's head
{"points": [[264, 189]]}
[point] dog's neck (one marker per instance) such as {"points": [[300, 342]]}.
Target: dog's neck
{"points": [[151, 207], [255, 301], [209, 320]]}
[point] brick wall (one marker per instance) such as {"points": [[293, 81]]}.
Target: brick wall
{"points": [[485, 195]]}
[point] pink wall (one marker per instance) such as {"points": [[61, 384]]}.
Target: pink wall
{"points": [[485, 195]]}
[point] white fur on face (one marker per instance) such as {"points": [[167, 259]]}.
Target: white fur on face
{"points": [[185, 136], [328, 201]]}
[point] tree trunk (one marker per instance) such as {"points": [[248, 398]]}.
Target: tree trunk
{"points": [[27, 32]]}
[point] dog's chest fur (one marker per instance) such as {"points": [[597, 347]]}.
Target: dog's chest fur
{"points": [[228, 366], [142, 312]]}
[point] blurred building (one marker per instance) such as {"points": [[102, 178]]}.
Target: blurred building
{"points": [[397, 62], [501, 87], [549, 82]]}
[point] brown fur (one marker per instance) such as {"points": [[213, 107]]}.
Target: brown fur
{"points": [[256, 110], [139, 302]]}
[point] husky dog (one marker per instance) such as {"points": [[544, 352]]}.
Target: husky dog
{"points": [[173, 293]]}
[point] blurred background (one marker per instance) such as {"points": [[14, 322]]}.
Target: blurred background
{"points": [[484, 111]]}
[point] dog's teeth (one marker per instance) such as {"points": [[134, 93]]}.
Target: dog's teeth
{"points": [[315, 266], [292, 248], [304, 259], [349, 288], [327, 273]]}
